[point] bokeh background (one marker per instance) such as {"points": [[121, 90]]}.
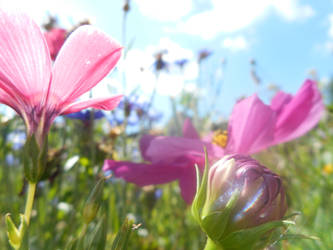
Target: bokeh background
{"points": [[188, 58]]}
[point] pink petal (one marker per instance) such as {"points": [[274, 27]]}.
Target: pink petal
{"points": [[144, 144], [55, 38], [301, 114], [279, 101], [187, 184], [251, 126], [143, 174], [168, 148], [86, 58], [107, 103], [25, 65], [189, 130], [7, 100]]}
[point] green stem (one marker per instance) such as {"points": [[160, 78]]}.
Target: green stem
{"points": [[30, 201], [210, 245]]}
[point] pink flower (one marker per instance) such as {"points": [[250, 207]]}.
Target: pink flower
{"points": [[253, 126], [39, 91], [55, 38]]}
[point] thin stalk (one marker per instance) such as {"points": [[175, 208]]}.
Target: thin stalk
{"points": [[30, 201], [27, 214], [151, 101]]}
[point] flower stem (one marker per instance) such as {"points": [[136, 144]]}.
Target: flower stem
{"points": [[30, 201], [210, 245]]}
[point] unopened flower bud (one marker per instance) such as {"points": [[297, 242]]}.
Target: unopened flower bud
{"points": [[241, 199]]}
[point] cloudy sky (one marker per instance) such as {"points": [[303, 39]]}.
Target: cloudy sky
{"points": [[288, 40]]}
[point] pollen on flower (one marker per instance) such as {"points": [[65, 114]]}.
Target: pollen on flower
{"points": [[220, 138], [328, 168]]}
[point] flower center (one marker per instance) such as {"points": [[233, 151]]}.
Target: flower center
{"points": [[220, 138]]}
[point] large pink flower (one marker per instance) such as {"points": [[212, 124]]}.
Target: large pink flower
{"points": [[253, 126], [55, 38], [39, 91]]}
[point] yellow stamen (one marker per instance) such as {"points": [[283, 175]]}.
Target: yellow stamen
{"points": [[328, 168], [220, 138]]}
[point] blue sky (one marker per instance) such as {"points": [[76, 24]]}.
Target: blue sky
{"points": [[286, 38]]}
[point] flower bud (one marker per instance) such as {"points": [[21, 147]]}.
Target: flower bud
{"points": [[240, 199]]}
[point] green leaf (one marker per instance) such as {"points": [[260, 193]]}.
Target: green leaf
{"points": [[122, 237], [98, 238], [72, 244], [93, 202]]}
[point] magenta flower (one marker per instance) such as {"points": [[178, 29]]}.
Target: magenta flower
{"points": [[39, 91], [253, 126], [55, 38]]}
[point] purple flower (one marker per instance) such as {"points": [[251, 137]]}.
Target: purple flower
{"points": [[134, 109]]}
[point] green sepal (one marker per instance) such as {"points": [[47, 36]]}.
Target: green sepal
{"points": [[14, 233], [93, 202], [200, 196], [122, 237], [297, 237], [248, 239], [215, 223], [35, 159]]}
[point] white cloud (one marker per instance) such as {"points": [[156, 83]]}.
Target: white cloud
{"points": [[328, 45], [235, 43], [69, 12], [292, 10], [164, 10], [139, 69], [231, 16]]}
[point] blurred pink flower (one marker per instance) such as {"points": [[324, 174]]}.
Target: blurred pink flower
{"points": [[39, 91], [253, 126], [55, 38]]}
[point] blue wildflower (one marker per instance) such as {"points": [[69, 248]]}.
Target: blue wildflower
{"points": [[85, 115]]}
